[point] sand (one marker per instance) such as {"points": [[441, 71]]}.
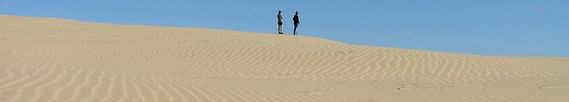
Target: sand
{"points": [[57, 60]]}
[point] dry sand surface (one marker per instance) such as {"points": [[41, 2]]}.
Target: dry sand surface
{"points": [[58, 60]]}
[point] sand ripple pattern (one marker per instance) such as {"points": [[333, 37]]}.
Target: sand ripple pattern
{"points": [[58, 60]]}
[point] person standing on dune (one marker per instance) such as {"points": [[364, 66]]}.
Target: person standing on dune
{"points": [[280, 22], [296, 22]]}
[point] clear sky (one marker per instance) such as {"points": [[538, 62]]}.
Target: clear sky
{"points": [[485, 27]]}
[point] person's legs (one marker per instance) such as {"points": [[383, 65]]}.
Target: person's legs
{"points": [[280, 29], [294, 32]]}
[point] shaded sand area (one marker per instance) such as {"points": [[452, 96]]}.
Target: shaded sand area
{"points": [[57, 60]]}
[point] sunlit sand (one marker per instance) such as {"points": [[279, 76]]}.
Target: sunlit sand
{"points": [[56, 60]]}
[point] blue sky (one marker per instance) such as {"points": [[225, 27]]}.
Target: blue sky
{"points": [[484, 27]]}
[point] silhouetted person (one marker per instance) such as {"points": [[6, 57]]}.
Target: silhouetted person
{"points": [[296, 22], [280, 22]]}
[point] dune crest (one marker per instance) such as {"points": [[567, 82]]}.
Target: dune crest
{"points": [[58, 60]]}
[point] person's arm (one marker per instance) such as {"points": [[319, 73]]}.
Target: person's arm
{"points": [[296, 19]]}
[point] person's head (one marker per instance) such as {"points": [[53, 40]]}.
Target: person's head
{"points": [[279, 11], [296, 12]]}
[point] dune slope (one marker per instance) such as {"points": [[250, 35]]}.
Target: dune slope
{"points": [[58, 60]]}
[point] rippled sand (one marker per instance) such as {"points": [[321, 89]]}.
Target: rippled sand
{"points": [[57, 60]]}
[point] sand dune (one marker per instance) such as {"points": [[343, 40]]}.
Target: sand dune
{"points": [[58, 60]]}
